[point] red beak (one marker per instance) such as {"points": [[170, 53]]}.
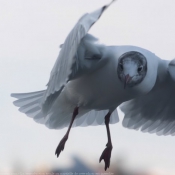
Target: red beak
{"points": [[127, 80]]}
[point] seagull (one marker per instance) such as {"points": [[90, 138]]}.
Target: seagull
{"points": [[90, 80]]}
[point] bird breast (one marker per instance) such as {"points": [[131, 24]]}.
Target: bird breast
{"points": [[98, 90]]}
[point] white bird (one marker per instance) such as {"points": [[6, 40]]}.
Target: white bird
{"points": [[90, 80]]}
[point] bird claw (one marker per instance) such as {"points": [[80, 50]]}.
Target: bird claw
{"points": [[61, 145], [106, 155]]}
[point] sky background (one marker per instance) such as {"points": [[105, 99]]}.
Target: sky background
{"points": [[30, 34]]}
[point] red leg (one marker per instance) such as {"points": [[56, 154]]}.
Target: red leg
{"points": [[61, 145], [106, 155]]}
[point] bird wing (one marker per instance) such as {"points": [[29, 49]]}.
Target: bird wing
{"points": [[68, 63], [155, 111]]}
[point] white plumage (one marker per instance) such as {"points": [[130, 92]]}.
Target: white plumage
{"points": [[85, 75], [42, 106]]}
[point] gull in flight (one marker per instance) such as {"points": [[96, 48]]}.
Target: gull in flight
{"points": [[90, 80]]}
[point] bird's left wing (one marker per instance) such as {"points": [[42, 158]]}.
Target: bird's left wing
{"points": [[155, 111], [63, 69]]}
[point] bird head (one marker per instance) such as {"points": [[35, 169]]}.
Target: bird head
{"points": [[132, 68]]}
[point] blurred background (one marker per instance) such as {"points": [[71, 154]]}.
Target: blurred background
{"points": [[30, 34]]}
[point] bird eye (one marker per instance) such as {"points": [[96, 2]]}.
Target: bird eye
{"points": [[121, 66], [140, 69]]}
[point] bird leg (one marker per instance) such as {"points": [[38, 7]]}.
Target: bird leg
{"points": [[106, 155], [61, 145]]}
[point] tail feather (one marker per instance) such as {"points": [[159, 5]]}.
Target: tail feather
{"points": [[26, 106], [26, 95], [29, 103], [61, 113], [30, 110], [25, 101]]}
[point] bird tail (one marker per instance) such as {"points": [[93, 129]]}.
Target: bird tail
{"points": [[60, 115], [29, 103]]}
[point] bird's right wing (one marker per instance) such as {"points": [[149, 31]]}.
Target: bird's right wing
{"points": [[155, 111], [67, 62]]}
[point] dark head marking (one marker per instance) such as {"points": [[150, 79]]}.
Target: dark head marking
{"points": [[132, 68]]}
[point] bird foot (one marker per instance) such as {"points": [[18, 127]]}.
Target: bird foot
{"points": [[61, 145], [106, 155]]}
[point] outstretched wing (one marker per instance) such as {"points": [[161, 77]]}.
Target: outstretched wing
{"points": [[66, 64], [155, 111]]}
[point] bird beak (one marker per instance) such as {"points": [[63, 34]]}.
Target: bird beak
{"points": [[127, 80]]}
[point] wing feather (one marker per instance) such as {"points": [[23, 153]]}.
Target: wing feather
{"points": [[155, 111], [62, 70]]}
